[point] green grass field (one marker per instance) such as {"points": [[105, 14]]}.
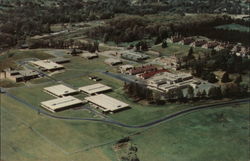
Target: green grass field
{"points": [[189, 137], [236, 27], [23, 129], [199, 136], [178, 49]]}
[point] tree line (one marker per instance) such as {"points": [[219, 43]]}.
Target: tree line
{"points": [[141, 92]]}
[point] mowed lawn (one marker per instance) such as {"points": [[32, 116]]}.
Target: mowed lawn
{"points": [[200, 136], [178, 49], [80, 66], [26, 135]]}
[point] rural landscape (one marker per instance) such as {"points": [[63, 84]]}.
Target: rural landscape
{"points": [[125, 80]]}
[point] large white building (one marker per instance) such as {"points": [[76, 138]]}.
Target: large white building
{"points": [[60, 104], [95, 88], [106, 103], [169, 81], [60, 90], [47, 65]]}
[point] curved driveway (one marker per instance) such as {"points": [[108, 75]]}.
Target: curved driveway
{"points": [[117, 123]]}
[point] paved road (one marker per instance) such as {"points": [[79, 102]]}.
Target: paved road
{"points": [[166, 118]]}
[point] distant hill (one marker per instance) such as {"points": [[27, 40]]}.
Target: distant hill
{"points": [[191, 6]]}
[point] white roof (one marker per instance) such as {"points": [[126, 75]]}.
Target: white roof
{"points": [[127, 66], [56, 104], [47, 64], [112, 61], [88, 55], [95, 88], [107, 103], [60, 90]]}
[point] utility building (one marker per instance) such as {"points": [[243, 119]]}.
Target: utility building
{"points": [[95, 88], [60, 90], [60, 104], [106, 104]]}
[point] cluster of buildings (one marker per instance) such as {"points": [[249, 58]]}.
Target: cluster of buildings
{"points": [[19, 75], [160, 78], [24, 75], [167, 81], [65, 100], [237, 49]]}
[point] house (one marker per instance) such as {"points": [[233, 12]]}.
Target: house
{"points": [[142, 69], [113, 61], [222, 46], [175, 39], [19, 75], [236, 48], [198, 43], [210, 45], [187, 41], [125, 68]]}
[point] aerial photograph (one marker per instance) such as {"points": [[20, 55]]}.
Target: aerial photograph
{"points": [[125, 80]]}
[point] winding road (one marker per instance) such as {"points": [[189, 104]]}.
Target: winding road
{"points": [[117, 123]]}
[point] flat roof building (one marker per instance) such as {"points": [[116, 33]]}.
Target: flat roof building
{"points": [[106, 103], [88, 55], [113, 61], [47, 65], [60, 60], [19, 75], [60, 104], [60, 90], [125, 68], [134, 56], [95, 88]]}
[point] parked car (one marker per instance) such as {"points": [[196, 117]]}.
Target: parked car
{"points": [[95, 78]]}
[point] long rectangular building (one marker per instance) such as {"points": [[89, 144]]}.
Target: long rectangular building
{"points": [[47, 65], [60, 90], [60, 104], [95, 88], [106, 103]]}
